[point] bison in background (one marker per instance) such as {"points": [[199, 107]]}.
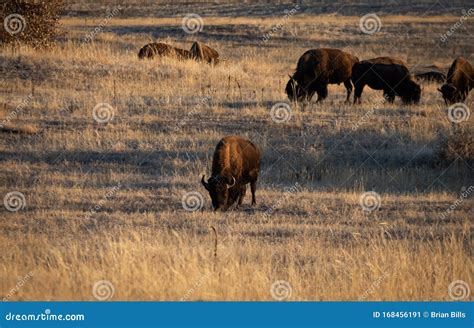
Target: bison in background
{"points": [[429, 73], [152, 50], [316, 69], [431, 76], [459, 82], [388, 74], [201, 52], [236, 162]]}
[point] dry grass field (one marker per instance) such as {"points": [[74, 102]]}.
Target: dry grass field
{"points": [[110, 201]]}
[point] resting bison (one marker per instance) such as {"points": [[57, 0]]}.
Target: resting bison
{"points": [[236, 162], [387, 74], [459, 82], [430, 73], [431, 76], [316, 69], [152, 50], [200, 51]]}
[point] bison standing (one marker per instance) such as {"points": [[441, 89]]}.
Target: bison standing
{"points": [[388, 74], [236, 162], [316, 69], [152, 50], [459, 82]]}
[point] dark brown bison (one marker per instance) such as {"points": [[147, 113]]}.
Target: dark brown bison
{"points": [[431, 76], [236, 162], [429, 73], [388, 61], [152, 50], [459, 82], [316, 69], [388, 74], [201, 52]]}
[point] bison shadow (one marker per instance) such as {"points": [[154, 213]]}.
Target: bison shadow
{"points": [[342, 161]]}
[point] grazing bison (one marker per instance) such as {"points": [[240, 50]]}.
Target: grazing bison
{"points": [[316, 69], [459, 82], [201, 52], [388, 61], [236, 162], [387, 74], [152, 50]]}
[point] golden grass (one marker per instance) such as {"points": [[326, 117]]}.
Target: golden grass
{"points": [[263, 21], [104, 201]]}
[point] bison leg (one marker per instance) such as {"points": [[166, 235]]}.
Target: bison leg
{"points": [[464, 94], [253, 188], [253, 175], [309, 95], [389, 95], [322, 91], [243, 191], [348, 85], [358, 93]]}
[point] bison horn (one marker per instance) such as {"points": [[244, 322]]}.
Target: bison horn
{"points": [[439, 90], [204, 183], [233, 183]]}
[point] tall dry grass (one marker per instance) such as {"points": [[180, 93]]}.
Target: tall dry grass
{"points": [[104, 201]]}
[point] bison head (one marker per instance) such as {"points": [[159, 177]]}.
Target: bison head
{"points": [[294, 91], [411, 92], [449, 93], [218, 188]]}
